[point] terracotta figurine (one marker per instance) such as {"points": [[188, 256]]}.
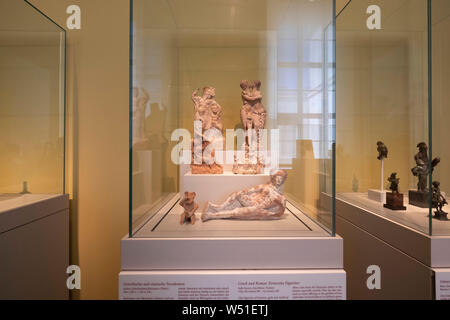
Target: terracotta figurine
{"points": [[190, 206], [263, 202], [209, 112], [253, 119]]}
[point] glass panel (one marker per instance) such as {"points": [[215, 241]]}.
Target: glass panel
{"points": [[382, 96], [32, 129], [441, 97], [179, 46]]}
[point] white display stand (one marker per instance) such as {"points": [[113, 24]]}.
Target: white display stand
{"points": [[289, 258], [377, 195], [163, 250], [398, 242], [219, 187], [34, 246]]}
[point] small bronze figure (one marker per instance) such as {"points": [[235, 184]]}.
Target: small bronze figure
{"points": [[394, 182], [422, 170], [439, 202], [394, 199], [382, 150]]}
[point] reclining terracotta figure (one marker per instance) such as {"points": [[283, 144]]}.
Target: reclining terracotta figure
{"points": [[263, 202]]}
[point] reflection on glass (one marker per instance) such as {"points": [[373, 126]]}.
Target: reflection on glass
{"points": [[440, 29], [31, 101], [382, 95]]}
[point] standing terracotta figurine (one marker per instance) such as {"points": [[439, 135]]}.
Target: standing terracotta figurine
{"points": [[253, 119], [263, 202], [190, 206], [209, 112]]}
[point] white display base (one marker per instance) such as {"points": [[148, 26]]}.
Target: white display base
{"points": [[34, 246], [294, 242], [406, 230], [233, 285], [19, 209], [377, 195], [217, 188], [442, 285]]}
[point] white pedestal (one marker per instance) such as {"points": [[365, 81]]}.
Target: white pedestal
{"points": [[400, 242], [217, 187], [34, 247], [377, 195], [227, 259]]}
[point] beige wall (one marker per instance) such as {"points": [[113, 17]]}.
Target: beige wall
{"points": [[97, 104]]}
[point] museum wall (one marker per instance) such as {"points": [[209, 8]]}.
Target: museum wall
{"points": [[97, 105], [381, 93], [441, 92]]}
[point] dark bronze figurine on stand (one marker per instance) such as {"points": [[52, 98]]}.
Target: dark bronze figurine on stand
{"points": [[420, 198], [439, 202], [394, 199]]}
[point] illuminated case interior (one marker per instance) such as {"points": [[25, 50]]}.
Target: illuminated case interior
{"points": [[179, 46], [32, 106], [392, 87]]}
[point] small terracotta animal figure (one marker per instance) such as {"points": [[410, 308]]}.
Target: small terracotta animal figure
{"points": [[190, 206]]}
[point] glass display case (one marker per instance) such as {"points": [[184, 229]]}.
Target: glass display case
{"points": [[232, 134], [391, 112], [226, 99], [34, 211], [392, 176], [32, 105]]}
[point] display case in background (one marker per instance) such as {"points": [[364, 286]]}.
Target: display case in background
{"points": [[179, 46], [33, 208], [391, 88]]}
